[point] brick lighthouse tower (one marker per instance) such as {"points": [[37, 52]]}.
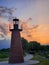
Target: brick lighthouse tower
{"points": [[16, 51]]}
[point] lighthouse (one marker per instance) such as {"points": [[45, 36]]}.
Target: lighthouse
{"points": [[16, 50]]}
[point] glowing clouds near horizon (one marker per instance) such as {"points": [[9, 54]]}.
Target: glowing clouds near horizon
{"points": [[39, 33]]}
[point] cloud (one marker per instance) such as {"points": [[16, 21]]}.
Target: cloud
{"points": [[38, 33], [4, 30], [7, 12], [5, 15]]}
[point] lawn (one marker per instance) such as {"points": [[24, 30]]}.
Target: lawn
{"points": [[4, 54], [43, 61]]}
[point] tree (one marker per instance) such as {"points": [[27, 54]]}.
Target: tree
{"points": [[33, 45], [24, 43]]}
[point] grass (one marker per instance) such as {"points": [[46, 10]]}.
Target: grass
{"points": [[3, 59], [42, 60], [4, 54]]}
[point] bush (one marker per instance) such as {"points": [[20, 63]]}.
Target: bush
{"points": [[4, 55], [47, 56]]}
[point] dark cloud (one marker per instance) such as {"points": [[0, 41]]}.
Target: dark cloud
{"points": [[6, 12]]}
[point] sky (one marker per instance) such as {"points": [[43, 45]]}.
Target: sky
{"points": [[34, 14]]}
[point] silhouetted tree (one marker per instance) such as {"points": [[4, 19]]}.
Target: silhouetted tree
{"points": [[33, 46], [24, 43]]}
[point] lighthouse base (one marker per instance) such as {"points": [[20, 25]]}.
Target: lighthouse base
{"points": [[16, 51]]}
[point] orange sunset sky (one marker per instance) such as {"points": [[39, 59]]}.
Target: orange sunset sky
{"points": [[33, 16]]}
